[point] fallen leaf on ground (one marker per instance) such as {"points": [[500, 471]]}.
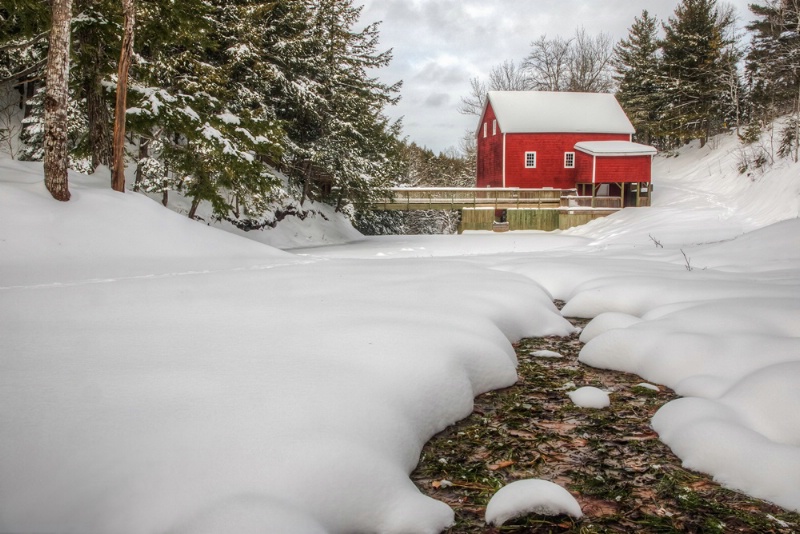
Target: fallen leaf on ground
{"points": [[501, 465]]}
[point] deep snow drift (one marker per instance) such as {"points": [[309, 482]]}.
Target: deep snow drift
{"points": [[160, 375]]}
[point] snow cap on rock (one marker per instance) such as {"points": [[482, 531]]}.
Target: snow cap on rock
{"points": [[532, 496], [590, 397]]}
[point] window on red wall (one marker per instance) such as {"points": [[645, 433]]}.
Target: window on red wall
{"points": [[494, 127], [484, 129], [530, 160], [569, 160]]}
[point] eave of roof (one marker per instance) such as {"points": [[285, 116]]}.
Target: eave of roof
{"points": [[615, 148]]}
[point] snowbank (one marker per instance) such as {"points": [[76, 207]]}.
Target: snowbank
{"points": [[160, 375], [157, 374]]}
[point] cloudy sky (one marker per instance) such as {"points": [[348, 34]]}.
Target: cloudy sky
{"points": [[439, 45]]}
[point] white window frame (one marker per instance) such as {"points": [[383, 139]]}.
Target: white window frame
{"points": [[530, 160], [484, 130], [494, 127], [567, 159]]}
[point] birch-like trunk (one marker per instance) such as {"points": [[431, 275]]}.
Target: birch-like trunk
{"points": [[118, 165], [55, 102]]}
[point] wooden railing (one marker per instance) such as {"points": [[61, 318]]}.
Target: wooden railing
{"points": [[575, 201], [422, 198], [457, 198]]}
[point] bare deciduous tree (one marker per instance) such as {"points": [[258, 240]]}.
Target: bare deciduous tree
{"points": [[590, 63], [548, 63], [579, 64], [507, 76]]}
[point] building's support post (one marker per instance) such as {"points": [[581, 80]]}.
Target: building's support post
{"points": [[504, 159]]}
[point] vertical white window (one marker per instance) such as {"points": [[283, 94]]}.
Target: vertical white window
{"points": [[530, 160], [484, 129], [569, 160], [494, 127]]}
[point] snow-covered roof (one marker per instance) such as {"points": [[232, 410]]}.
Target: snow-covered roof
{"points": [[615, 148], [558, 112]]}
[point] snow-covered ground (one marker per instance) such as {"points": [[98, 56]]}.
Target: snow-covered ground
{"points": [[159, 375]]}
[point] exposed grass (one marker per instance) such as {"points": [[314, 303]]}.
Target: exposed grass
{"points": [[611, 460]]}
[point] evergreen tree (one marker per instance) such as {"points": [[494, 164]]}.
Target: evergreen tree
{"points": [[336, 126], [198, 114], [219, 87], [24, 33], [773, 60], [693, 69], [637, 65]]}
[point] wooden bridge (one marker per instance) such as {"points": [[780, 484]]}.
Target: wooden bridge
{"points": [[456, 198], [506, 208]]}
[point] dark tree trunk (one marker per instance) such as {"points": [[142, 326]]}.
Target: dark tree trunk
{"points": [[98, 114], [144, 151], [193, 209], [99, 119], [55, 102], [118, 169]]}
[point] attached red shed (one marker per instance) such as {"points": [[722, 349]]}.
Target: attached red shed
{"points": [[539, 139]]}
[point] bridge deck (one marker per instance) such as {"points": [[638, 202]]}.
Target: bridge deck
{"points": [[456, 198]]}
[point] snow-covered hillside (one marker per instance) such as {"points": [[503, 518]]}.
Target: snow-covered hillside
{"points": [[160, 375]]}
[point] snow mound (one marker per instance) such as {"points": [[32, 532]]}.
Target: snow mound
{"points": [[101, 234], [607, 321], [546, 354], [590, 397], [531, 496], [749, 438]]}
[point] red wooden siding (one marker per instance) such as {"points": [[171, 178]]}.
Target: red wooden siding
{"points": [[623, 169], [490, 153], [583, 164], [613, 168], [549, 148]]}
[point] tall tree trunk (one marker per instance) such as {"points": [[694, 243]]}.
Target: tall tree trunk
{"points": [[118, 168], [91, 41], [99, 120], [55, 102]]}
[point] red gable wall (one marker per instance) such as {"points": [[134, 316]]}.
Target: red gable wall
{"points": [[490, 153]]}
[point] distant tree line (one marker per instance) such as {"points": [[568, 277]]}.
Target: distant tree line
{"points": [[207, 97]]}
